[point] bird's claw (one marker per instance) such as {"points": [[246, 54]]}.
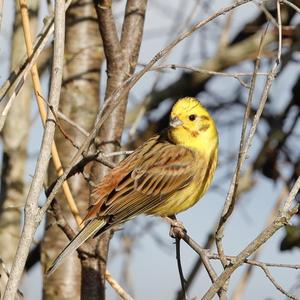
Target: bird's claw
{"points": [[177, 229]]}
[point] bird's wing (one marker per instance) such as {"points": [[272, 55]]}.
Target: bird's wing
{"points": [[165, 168], [116, 176], [147, 178]]}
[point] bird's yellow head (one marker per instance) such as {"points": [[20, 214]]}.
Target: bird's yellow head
{"points": [[192, 126]]}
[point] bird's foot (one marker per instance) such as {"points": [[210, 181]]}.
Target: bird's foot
{"points": [[177, 229]]}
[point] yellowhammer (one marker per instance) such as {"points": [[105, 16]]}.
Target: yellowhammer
{"points": [[166, 175]]}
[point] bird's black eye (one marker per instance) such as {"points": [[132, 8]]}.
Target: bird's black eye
{"points": [[192, 117]]}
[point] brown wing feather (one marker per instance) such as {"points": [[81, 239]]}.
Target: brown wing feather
{"points": [[167, 168], [143, 180], [115, 179]]}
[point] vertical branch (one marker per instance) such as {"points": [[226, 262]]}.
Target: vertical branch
{"points": [[40, 102], [31, 208], [121, 60], [15, 142], [79, 101], [179, 266], [243, 150]]}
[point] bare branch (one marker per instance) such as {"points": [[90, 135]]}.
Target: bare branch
{"points": [[107, 26], [14, 83], [244, 148], [31, 207], [275, 283], [282, 219], [116, 286], [132, 30], [179, 266]]}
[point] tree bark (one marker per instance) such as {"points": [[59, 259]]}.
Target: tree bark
{"points": [[121, 56], [79, 101]]}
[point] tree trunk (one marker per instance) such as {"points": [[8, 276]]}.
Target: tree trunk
{"points": [[121, 56], [79, 101]]}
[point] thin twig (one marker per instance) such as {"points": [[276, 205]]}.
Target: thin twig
{"points": [[179, 266], [181, 233], [59, 115], [254, 262], [246, 275], [282, 219], [236, 76], [243, 150], [275, 283]]}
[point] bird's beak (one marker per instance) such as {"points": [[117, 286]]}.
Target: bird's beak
{"points": [[175, 122]]}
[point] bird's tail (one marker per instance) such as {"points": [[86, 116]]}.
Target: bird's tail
{"points": [[90, 229]]}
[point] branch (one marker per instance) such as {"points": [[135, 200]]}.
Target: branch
{"points": [[107, 27], [245, 144], [236, 294], [282, 219], [116, 286], [179, 232], [132, 30], [17, 77], [296, 8], [31, 207], [40, 101]]}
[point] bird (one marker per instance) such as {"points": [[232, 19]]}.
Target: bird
{"points": [[166, 175]]}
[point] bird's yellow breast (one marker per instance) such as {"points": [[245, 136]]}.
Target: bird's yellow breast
{"points": [[188, 196]]}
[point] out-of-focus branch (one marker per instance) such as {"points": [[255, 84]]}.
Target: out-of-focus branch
{"points": [[292, 5], [117, 287]]}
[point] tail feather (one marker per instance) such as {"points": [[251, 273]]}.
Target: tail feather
{"points": [[90, 229]]}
